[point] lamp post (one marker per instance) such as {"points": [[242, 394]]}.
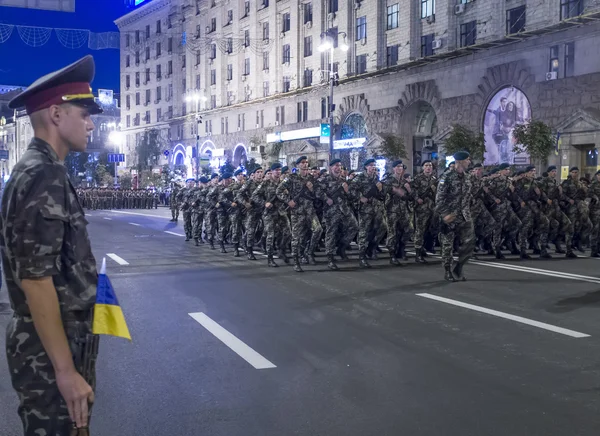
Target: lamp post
{"points": [[196, 96], [328, 42], [115, 137]]}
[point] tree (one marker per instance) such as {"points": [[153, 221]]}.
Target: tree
{"points": [[535, 138], [149, 149], [252, 165], [462, 138], [125, 181], [392, 147], [227, 167], [148, 178]]}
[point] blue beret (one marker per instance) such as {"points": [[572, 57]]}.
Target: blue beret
{"points": [[285, 169], [300, 159], [190, 180], [573, 169], [226, 176], [275, 166], [529, 168], [214, 176], [369, 162], [334, 161], [238, 172], [425, 161], [256, 169], [203, 179], [503, 166], [551, 168], [396, 163], [461, 155]]}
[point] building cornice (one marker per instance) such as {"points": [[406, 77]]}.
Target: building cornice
{"points": [[142, 12]]}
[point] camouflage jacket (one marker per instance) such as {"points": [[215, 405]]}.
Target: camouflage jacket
{"points": [[266, 192], [594, 195], [454, 196], [395, 203], [424, 188], [573, 190], [296, 188], [212, 198], [226, 199], [366, 186], [331, 187], [244, 194], [44, 232]]}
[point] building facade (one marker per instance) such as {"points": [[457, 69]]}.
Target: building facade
{"points": [[253, 71], [51, 5]]}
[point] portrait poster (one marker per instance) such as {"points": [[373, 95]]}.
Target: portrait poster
{"points": [[507, 108]]}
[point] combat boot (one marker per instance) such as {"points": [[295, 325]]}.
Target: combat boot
{"points": [[499, 254], [448, 274], [223, 247], [558, 248], [524, 255], [271, 262], [187, 238], [363, 262], [311, 259], [570, 254], [196, 242], [331, 263], [544, 254], [419, 257], [297, 266], [250, 252], [458, 273], [236, 249], [343, 254], [513, 248], [284, 256], [394, 261], [211, 244]]}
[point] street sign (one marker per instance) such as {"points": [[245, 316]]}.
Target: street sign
{"points": [[116, 157], [3, 154], [166, 153]]}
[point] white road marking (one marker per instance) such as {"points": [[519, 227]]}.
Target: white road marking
{"points": [[515, 318], [173, 233], [240, 348], [107, 218], [117, 259], [141, 214], [87, 214], [135, 224]]}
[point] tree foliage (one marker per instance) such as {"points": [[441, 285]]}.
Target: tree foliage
{"points": [[125, 181], [392, 147], [536, 138], [169, 175], [461, 138], [149, 149], [251, 165], [149, 179], [227, 167]]}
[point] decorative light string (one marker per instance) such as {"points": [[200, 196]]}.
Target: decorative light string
{"points": [[35, 36]]}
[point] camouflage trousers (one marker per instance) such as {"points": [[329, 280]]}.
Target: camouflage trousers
{"points": [[340, 229], [42, 408], [187, 223], [465, 231], [578, 213], [197, 221], [236, 219], [535, 222], [423, 222], [560, 224], [595, 219], [211, 222], [223, 218], [305, 226], [369, 227], [398, 224], [277, 224], [507, 221], [485, 225], [174, 212], [252, 223]]}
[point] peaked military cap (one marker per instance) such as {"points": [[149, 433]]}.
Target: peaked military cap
{"points": [[70, 84], [426, 162], [334, 161], [529, 168], [300, 159], [214, 176], [226, 176]]}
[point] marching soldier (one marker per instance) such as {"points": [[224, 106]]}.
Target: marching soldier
{"points": [[396, 209]]}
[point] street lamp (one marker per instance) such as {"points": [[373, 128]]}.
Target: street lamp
{"points": [[328, 42], [116, 137], [197, 97]]}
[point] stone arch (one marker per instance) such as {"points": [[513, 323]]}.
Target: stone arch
{"points": [[240, 155], [207, 145], [421, 91], [354, 104], [179, 154]]}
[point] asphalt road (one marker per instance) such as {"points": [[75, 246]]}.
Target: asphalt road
{"points": [[514, 351]]}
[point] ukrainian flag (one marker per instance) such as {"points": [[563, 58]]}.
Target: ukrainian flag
{"points": [[108, 316]]}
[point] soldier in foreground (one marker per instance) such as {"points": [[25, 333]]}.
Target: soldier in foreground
{"points": [[453, 204], [50, 269]]}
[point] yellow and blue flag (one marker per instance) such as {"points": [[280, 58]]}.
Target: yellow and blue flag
{"points": [[108, 316]]}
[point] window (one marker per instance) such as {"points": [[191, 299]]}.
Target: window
{"points": [[427, 45], [392, 16], [137, 98], [127, 40], [158, 114], [246, 66], [137, 79], [128, 120], [170, 45], [158, 49], [148, 31], [334, 32], [265, 89], [554, 63], [158, 72], [148, 97], [246, 38], [308, 77], [302, 111], [222, 126], [170, 92], [170, 112], [183, 110], [127, 81], [197, 82], [229, 48], [361, 64], [158, 93], [213, 51], [229, 97], [307, 46], [324, 105], [198, 31], [332, 6], [183, 61], [169, 22], [229, 71], [229, 17], [127, 61], [198, 58], [213, 24], [570, 8], [184, 84], [170, 68], [137, 36], [392, 55], [280, 115], [260, 118], [468, 33], [197, 7], [264, 3], [137, 57], [569, 59], [286, 54], [128, 102], [307, 12], [213, 77], [427, 8], [515, 20], [158, 29], [147, 76], [286, 22], [213, 102], [246, 9], [265, 61], [265, 31], [286, 84], [361, 28], [147, 53]]}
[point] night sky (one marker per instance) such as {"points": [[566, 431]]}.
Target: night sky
{"points": [[21, 64]]}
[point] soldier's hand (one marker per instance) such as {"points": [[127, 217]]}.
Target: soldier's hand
{"points": [[292, 204], [449, 218], [419, 201], [399, 191], [549, 202], [234, 204], [248, 205], [268, 205], [497, 201], [329, 201], [363, 199], [571, 201], [77, 394], [522, 204], [345, 186], [379, 186], [309, 185]]}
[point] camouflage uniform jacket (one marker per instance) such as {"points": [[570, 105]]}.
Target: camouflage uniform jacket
{"points": [[267, 192], [212, 198], [393, 202], [243, 195], [331, 187], [594, 195], [44, 232], [295, 188], [454, 196], [500, 188], [365, 186], [573, 190], [197, 199], [226, 198], [479, 196], [424, 188]]}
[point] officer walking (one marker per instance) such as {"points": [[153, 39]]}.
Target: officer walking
{"points": [[50, 269]]}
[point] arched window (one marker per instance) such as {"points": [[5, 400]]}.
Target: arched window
{"points": [[354, 127]]}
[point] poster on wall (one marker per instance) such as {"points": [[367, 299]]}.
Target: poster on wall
{"points": [[507, 108]]}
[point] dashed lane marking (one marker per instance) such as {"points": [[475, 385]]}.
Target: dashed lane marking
{"points": [[236, 345], [107, 218], [519, 319], [135, 224], [140, 214], [174, 233], [117, 259]]}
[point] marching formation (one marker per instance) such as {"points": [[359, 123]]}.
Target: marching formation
{"points": [[295, 213], [109, 198]]}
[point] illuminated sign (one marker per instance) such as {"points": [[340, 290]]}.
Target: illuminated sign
{"points": [[342, 144], [292, 135], [139, 2]]}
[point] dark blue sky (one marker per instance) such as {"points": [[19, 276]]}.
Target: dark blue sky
{"points": [[21, 64]]}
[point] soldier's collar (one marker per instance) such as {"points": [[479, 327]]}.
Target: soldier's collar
{"points": [[42, 146]]}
